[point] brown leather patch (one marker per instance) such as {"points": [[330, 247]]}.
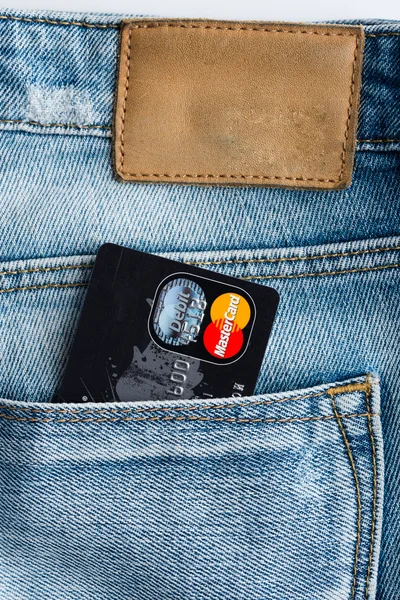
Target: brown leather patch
{"points": [[237, 103]]}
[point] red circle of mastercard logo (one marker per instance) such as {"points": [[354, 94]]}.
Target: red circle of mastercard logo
{"points": [[230, 313]]}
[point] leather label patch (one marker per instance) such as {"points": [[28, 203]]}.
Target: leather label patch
{"points": [[232, 103]]}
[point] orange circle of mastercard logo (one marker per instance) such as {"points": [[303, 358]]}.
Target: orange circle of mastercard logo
{"points": [[230, 313]]}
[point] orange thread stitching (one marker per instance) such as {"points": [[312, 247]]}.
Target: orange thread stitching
{"points": [[128, 68], [349, 388], [349, 110], [158, 24], [357, 484], [236, 176], [226, 176], [188, 418], [374, 501]]}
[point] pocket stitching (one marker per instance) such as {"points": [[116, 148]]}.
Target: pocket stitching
{"points": [[250, 277], [351, 386], [296, 258], [367, 389], [230, 420], [338, 417], [374, 498], [162, 408], [232, 261], [348, 388]]}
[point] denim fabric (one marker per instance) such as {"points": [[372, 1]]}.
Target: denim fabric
{"points": [[253, 498], [185, 508]]}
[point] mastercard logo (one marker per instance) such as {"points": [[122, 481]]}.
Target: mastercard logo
{"points": [[230, 313]]}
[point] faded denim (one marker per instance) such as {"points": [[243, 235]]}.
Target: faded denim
{"points": [[281, 495], [253, 498]]}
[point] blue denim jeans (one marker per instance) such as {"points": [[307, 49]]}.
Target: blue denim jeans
{"points": [[291, 494]]}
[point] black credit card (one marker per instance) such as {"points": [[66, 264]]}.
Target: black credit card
{"points": [[156, 329]]}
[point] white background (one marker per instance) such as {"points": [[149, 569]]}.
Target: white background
{"points": [[289, 10]]}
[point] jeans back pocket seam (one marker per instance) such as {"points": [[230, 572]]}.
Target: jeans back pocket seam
{"points": [[367, 390], [250, 278]]}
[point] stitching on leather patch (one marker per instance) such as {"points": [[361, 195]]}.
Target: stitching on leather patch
{"points": [[220, 175], [350, 109], [252, 178]]}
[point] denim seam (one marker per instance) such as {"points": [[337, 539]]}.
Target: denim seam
{"points": [[56, 22], [389, 34], [222, 262], [250, 277], [354, 387], [43, 287], [65, 125], [374, 499], [109, 128], [47, 269], [367, 389], [240, 175], [393, 141], [191, 418], [114, 26], [163, 408], [338, 417], [296, 258], [343, 271]]}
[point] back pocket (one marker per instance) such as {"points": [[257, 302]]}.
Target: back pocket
{"points": [[271, 497]]}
